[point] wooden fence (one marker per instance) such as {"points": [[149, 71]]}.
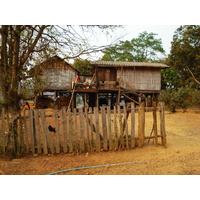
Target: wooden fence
{"points": [[86, 130]]}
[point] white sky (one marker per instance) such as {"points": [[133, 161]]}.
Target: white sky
{"points": [[165, 32]]}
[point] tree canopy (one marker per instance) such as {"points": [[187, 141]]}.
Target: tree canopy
{"points": [[185, 53], [144, 48]]}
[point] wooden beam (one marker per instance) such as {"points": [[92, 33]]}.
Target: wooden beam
{"points": [[130, 98]]}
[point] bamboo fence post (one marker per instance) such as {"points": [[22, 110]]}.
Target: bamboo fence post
{"points": [[37, 131], [109, 128], [115, 129], [57, 133], [126, 125], [162, 123], [21, 133], [69, 124], [121, 139], [91, 130], [64, 127], [82, 129], [87, 128], [141, 124], [75, 130], [98, 142], [155, 125], [104, 127], [26, 132], [32, 133], [132, 125], [45, 148]]}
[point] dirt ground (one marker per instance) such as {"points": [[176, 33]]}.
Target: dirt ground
{"points": [[181, 156]]}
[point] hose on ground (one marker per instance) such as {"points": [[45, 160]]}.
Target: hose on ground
{"points": [[67, 170]]}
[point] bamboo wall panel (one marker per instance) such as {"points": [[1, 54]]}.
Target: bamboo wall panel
{"points": [[59, 76], [139, 79]]}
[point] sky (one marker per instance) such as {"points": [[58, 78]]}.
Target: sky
{"points": [[165, 32], [128, 32]]}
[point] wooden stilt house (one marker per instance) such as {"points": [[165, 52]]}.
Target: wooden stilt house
{"points": [[110, 83], [114, 83]]}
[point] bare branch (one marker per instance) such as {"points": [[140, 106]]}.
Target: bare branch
{"points": [[193, 75], [30, 49]]}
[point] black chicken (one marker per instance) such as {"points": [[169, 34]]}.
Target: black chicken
{"points": [[51, 129]]}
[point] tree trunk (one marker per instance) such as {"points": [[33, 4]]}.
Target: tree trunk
{"points": [[13, 149]]}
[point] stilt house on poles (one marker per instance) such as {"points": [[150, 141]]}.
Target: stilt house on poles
{"points": [[110, 83]]}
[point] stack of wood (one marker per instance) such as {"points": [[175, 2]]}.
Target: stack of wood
{"points": [[44, 102], [62, 101]]}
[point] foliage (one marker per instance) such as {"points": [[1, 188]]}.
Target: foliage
{"points": [[141, 49], [183, 97], [169, 79], [83, 66], [169, 96], [185, 52], [196, 97]]}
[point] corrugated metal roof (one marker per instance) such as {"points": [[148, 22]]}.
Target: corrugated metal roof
{"points": [[127, 64]]}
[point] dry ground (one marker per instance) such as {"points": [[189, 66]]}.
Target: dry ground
{"points": [[181, 156]]}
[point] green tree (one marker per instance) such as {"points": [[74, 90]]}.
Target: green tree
{"points": [[169, 79], [83, 66], [185, 54], [24, 46], [142, 49], [177, 98]]}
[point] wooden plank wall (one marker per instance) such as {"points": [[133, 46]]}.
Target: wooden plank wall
{"points": [[89, 130]]}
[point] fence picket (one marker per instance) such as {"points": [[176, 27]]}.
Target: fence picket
{"points": [[104, 127], [26, 132], [64, 130], [109, 125], [21, 133], [141, 125], [45, 149], [87, 123], [70, 130], [115, 129], [155, 125], [37, 131], [82, 129], [57, 133], [126, 125], [32, 132], [132, 125], [91, 130], [75, 130], [121, 139], [98, 142], [162, 123]]}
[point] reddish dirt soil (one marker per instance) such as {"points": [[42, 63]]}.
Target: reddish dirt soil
{"points": [[181, 156]]}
